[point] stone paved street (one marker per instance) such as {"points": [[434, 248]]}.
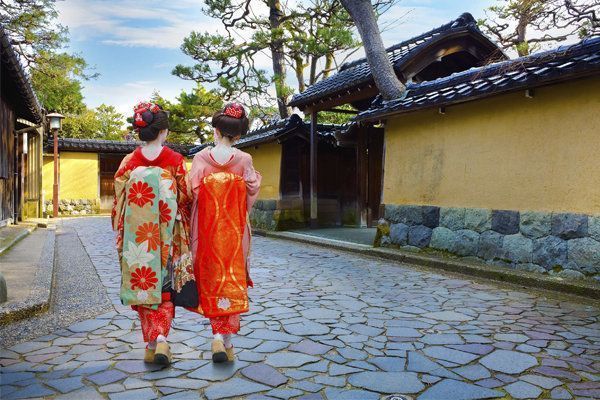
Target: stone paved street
{"points": [[325, 325]]}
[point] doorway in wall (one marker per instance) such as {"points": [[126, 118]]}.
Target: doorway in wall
{"points": [[109, 164]]}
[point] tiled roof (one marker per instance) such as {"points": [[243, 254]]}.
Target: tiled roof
{"points": [[276, 130], [266, 132], [563, 63], [358, 73], [260, 135], [16, 83], [106, 146]]}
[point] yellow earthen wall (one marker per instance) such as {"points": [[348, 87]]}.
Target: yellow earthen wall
{"points": [[47, 177], [78, 176], [504, 152], [267, 160]]}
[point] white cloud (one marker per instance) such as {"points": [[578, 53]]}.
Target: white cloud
{"points": [[133, 23], [126, 95]]}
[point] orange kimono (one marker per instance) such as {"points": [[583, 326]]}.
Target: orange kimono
{"points": [[220, 235]]}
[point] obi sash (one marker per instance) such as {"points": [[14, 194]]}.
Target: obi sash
{"points": [[220, 267]]}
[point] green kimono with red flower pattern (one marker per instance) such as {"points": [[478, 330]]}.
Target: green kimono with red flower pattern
{"points": [[151, 218]]}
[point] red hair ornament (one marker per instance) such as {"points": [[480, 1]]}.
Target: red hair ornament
{"points": [[144, 114], [234, 110]]}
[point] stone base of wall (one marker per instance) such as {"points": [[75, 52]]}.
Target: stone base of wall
{"points": [[562, 244], [268, 215], [73, 207]]}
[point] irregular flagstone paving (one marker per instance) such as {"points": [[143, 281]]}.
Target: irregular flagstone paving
{"points": [[324, 325]]}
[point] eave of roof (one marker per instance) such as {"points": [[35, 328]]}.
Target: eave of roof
{"points": [[357, 73], [29, 107], [277, 131], [561, 64], [106, 146], [265, 133]]}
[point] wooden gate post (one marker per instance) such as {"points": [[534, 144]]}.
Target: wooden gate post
{"points": [[313, 170]]}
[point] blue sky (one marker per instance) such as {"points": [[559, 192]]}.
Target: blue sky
{"points": [[134, 45]]}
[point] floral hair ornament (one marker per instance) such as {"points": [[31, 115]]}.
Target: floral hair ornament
{"points": [[234, 110], [143, 113]]}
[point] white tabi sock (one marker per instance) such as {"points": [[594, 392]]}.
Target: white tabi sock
{"points": [[218, 336], [152, 345], [227, 341], [161, 339]]}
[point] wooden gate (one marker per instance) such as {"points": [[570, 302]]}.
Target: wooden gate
{"points": [[370, 152], [109, 164]]}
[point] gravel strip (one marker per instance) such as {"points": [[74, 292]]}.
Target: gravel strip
{"points": [[77, 292]]}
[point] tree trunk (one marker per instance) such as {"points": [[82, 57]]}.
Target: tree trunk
{"points": [[278, 56], [385, 78], [521, 43], [313, 70], [299, 62], [328, 65]]}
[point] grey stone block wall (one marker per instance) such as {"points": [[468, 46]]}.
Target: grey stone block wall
{"points": [[262, 215], [562, 244], [72, 207], [268, 215]]}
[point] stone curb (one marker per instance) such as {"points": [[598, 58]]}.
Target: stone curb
{"points": [[17, 239], [521, 278], [41, 288]]}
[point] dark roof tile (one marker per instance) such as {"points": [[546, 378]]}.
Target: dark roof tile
{"points": [[106, 146], [278, 129], [358, 73], [27, 105], [563, 63]]}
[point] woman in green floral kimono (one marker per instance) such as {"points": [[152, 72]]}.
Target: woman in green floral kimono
{"points": [[151, 217]]}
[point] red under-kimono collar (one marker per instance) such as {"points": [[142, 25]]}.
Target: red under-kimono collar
{"points": [[208, 157], [165, 158]]}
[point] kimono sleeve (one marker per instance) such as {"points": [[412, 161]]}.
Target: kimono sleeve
{"points": [[253, 179], [184, 195], [120, 200], [194, 177]]}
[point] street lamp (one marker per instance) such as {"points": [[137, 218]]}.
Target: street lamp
{"points": [[55, 126]]}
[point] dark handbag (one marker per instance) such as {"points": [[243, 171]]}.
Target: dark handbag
{"points": [[187, 295]]}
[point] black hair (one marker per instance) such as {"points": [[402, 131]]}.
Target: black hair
{"points": [[157, 123], [228, 126]]}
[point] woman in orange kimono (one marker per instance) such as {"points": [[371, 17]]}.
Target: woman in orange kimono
{"points": [[224, 186], [151, 217]]}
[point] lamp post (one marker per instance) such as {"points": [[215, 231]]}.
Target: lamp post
{"points": [[55, 126]]}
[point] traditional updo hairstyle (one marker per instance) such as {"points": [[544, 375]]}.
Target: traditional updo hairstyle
{"points": [[231, 121], [148, 120]]}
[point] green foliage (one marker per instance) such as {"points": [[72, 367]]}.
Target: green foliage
{"points": [[262, 115], [526, 25], [220, 60], [190, 114], [56, 83], [312, 36], [32, 27], [110, 123], [321, 29], [83, 125], [337, 118], [56, 76], [104, 122]]}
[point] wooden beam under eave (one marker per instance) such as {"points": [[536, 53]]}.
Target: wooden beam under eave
{"points": [[313, 170], [338, 100], [443, 47], [341, 111]]}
